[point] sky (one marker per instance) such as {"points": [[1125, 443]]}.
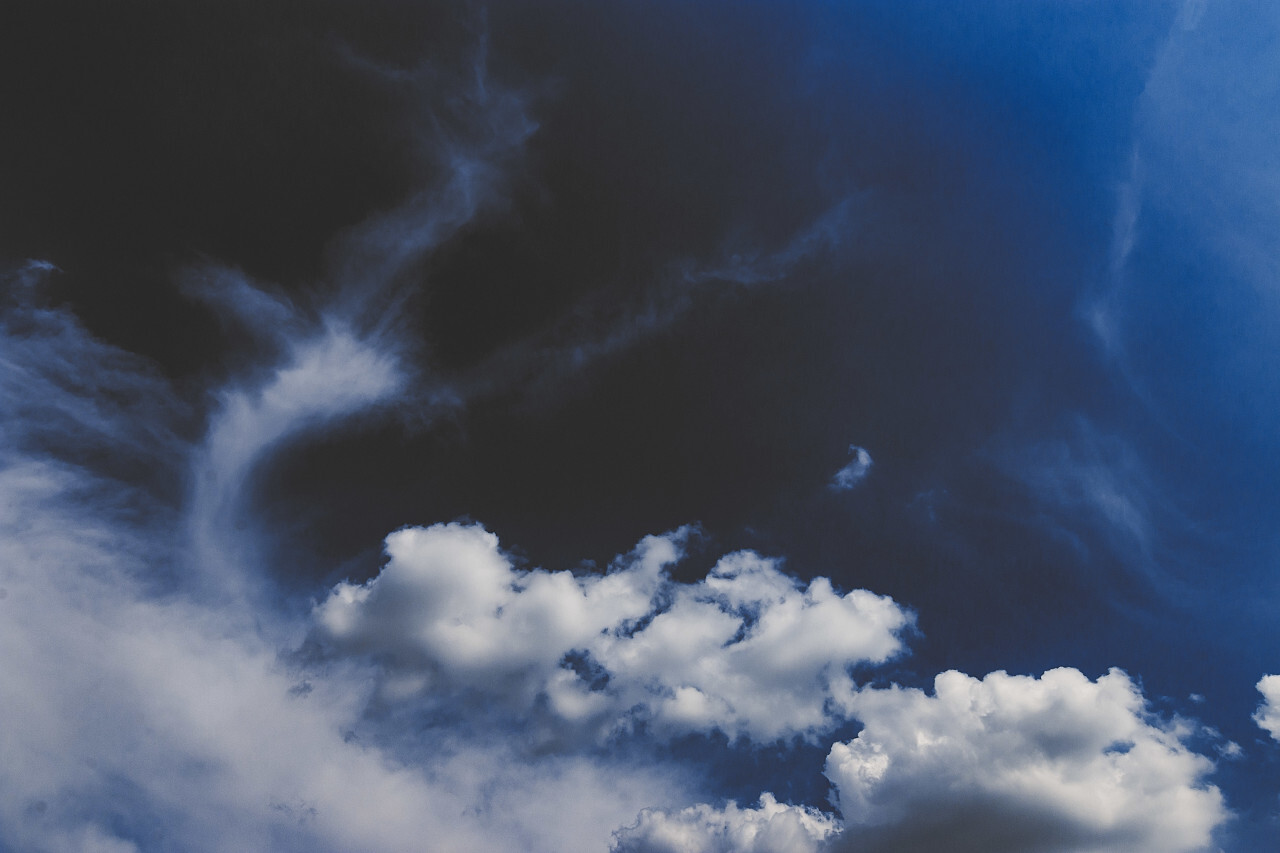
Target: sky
{"points": [[640, 427]]}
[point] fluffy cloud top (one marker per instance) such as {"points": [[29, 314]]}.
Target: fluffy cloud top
{"points": [[1268, 713], [1003, 764], [748, 650], [771, 828], [1014, 763]]}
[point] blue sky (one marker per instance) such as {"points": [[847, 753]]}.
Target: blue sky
{"points": [[639, 427]]}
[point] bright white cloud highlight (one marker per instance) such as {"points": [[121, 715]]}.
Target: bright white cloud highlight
{"points": [[773, 827], [1014, 763], [1268, 713], [749, 650]]}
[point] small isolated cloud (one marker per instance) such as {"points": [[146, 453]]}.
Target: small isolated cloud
{"points": [[1268, 714], [772, 828], [1015, 763], [749, 650], [1230, 750], [853, 473]]}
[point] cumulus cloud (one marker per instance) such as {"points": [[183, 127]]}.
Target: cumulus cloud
{"points": [[853, 473], [749, 650], [773, 827], [1002, 764], [1015, 763], [1268, 714]]}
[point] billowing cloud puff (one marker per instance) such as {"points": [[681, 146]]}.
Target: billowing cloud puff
{"points": [[748, 650], [771, 828], [1268, 713], [1003, 764], [1014, 763], [853, 473]]}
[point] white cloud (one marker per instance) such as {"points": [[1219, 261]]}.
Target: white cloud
{"points": [[1003, 764], [176, 716], [749, 650], [136, 719], [773, 827], [326, 376], [853, 473], [140, 716], [1014, 763], [1268, 714]]}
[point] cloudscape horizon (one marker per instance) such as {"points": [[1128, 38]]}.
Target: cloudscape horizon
{"points": [[639, 427]]}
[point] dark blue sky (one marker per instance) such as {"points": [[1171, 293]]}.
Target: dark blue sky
{"points": [[284, 278]]}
